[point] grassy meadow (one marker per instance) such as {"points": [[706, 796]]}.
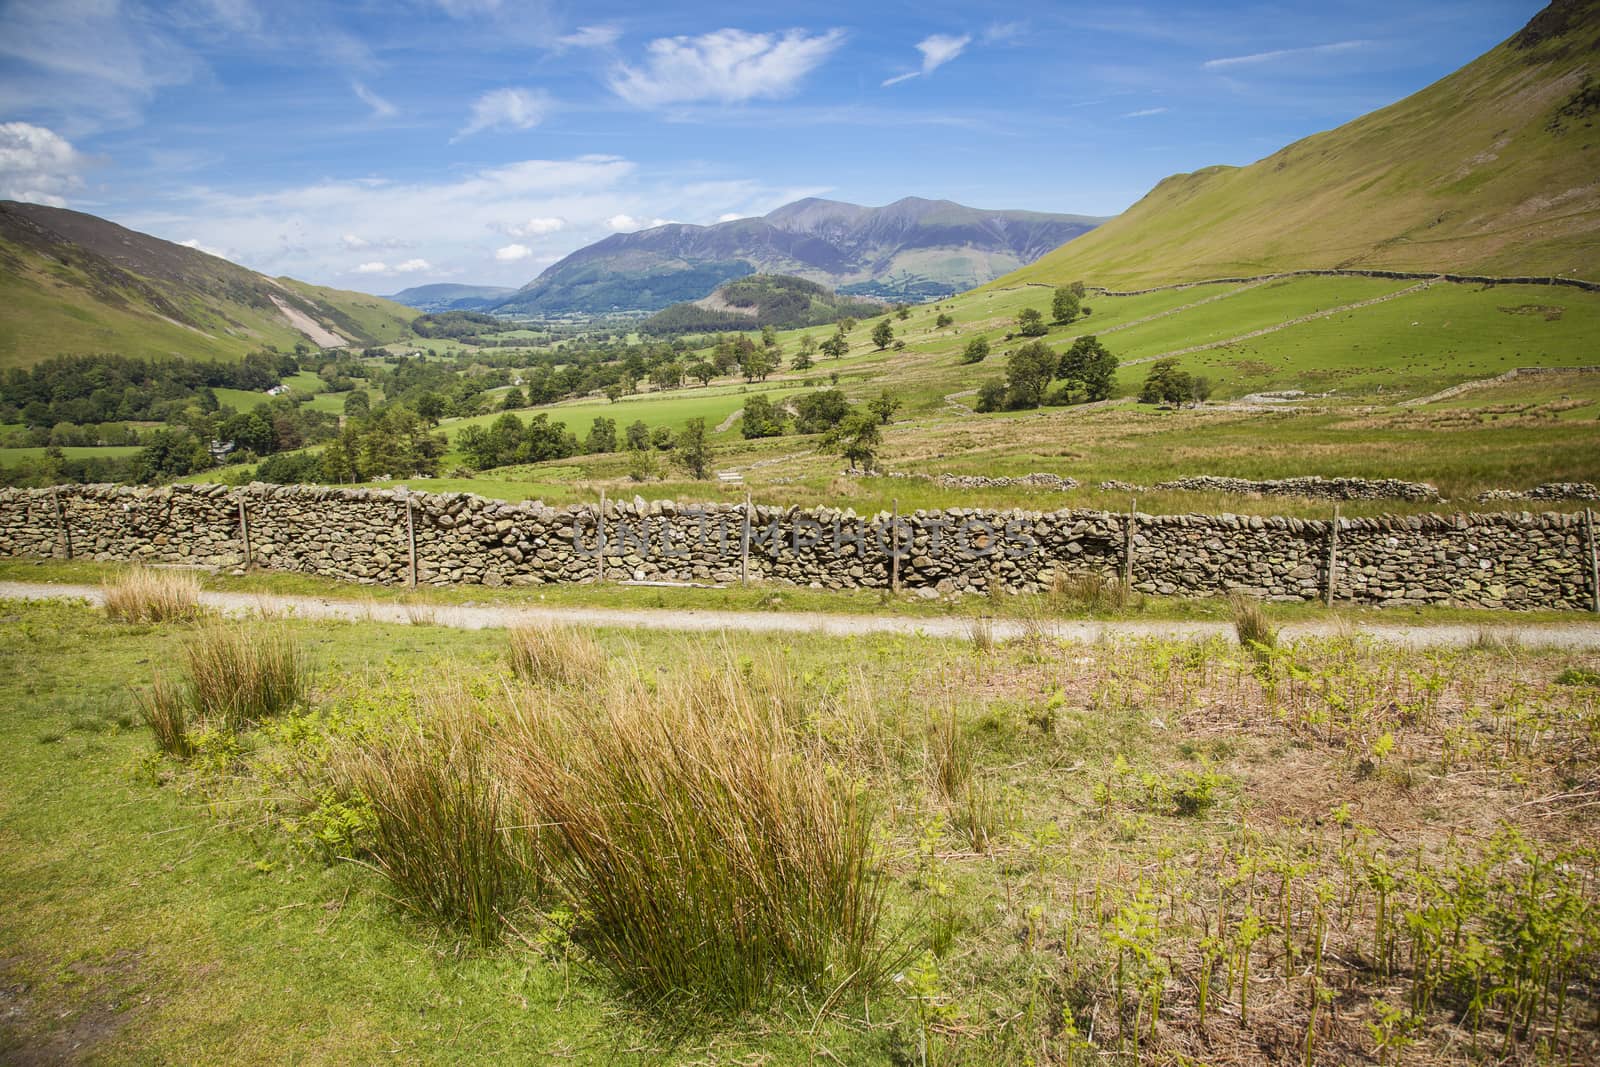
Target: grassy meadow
{"points": [[968, 852]]}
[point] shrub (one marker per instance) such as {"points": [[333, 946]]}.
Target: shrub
{"points": [[165, 709], [548, 653], [141, 594], [437, 821], [705, 846], [1088, 591], [1250, 624], [243, 674]]}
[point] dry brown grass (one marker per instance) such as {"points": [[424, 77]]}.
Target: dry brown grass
{"points": [[144, 594], [548, 653]]}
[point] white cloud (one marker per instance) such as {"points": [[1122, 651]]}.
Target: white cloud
{"points": [[1281, 53], [940, 49], [512, 253], [629, 224], [507, 109], [198, 247], [410, 266], [37, 165], [536, 227], [590, 37], [1145, 112], [727, 65], [730, 216], [381, 108], [937, 50]]}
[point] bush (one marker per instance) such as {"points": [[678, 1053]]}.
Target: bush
{"points": [[144, 595], [1250, 624], [243, 674], [706, 847], [546, 653], [438, 821]]}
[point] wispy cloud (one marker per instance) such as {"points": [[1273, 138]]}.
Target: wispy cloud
{"points": [[381, 108], [628, 224], [512, 252], [410, 266], [590, 37], [537, 227], [37, 165], [1004, 32], [729, 66], [936, 50], [507, 109], [1146, 112], [1284, 53]]}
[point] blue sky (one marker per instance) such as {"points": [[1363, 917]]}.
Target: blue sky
{"points": [[376, 146]]}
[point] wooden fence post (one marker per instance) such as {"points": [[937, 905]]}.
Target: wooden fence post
{"points": [[600, 540], [1333, 555], [411, 543], [744, 544], [1594, 562], [894, 548], [1127, 544], [61, 521], [244, 528]]}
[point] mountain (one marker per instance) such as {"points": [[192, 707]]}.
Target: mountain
{"points": [[781, 301], [1494, 169], [447, 297], [74, 283], [911, 249]]}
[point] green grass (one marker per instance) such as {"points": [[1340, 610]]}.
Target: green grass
{"points": [[672, 409], [13, 455]]}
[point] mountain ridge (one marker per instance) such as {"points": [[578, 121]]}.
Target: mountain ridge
{"points": [[913, 248], [75, 283], [1489, 170]]}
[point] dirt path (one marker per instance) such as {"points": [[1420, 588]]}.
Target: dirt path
{"points": [[1582, 636]]}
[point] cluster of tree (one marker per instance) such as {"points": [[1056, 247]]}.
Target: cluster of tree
{"points": [[113, 388], [1166, 384], [1066, 307], [847, 430], [395, 442], [777, 300], [456, 324], [1087, 371]]}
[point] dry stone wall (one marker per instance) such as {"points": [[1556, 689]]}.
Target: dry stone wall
{"points": [[371, 536]]}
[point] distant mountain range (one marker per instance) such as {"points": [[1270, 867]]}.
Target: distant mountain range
{"points": [[447, 297], [72, 283], [1494, 169], [913, 249]]}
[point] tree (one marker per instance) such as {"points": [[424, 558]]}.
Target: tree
{"points": [[357, 405], [1030, 323], [755, 365], [1166, 384], [1088, 364], [1064, 307], [667, 376], [1028, 373], [847, 324], [835, 346], [805, 356], [882, 334], [514, 400], [977, 351], [902, 312], [602, 436], [693, 452], [638, 435], [1077, 289], [1199, 390], [942, 321], [661, 438], [702, 371], [430, 408], [992, 395], [761, 419], [884, 406], [820, 411], [855, 437]]}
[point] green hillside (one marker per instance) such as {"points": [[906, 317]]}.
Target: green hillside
{"points": [[72, 283], [1490, 170]]}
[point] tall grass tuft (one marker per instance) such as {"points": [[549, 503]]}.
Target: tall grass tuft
{"points": [[243, 674], [949, 756], [1087, 591], [1250, 624], [445, 830], [141, 594], [165, 709], [546, 653], [709, 849]]}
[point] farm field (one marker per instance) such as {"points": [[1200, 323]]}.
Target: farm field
{"points": [[1077, 850]]}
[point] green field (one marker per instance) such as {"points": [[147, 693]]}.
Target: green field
{"points": [[672, 409], [13, 455]]}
